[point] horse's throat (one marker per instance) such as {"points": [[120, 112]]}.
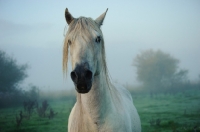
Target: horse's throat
{"points": [[95, 104]]}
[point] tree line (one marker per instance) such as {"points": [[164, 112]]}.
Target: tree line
{"points": [[11, 76], [154, 69], [159, 70]]}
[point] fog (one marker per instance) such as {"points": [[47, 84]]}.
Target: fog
{"points": [[32, 33]]}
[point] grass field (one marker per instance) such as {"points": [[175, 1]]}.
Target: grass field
{"points": [[169, 112], [178, 112]]}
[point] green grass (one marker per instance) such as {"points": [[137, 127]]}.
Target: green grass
{"points": [[177, 113], [36, 123]]}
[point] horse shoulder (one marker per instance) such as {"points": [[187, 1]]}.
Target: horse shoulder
{"points": [[123, 92], [129, 112]]}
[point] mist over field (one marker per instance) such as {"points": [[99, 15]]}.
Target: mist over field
{"points": [[36, 37], [152, 49]]}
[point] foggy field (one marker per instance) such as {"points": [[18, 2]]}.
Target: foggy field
{"points": [[158, 113], [150, 47], [36, 123], [178, 112]]}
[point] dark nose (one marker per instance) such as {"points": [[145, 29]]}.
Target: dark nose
{"points": [[78, 76], [82, 78]]}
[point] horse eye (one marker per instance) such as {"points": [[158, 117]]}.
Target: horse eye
{"points": [[98, 39]]}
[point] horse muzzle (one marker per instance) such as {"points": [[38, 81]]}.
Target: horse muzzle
{"points": [[82, 78]]}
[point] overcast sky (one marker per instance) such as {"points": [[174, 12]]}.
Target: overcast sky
{"points": [[32, 32]]}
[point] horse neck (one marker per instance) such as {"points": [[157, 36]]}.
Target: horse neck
{"points": [[98, 100]]}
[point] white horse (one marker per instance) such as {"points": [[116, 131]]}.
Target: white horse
{"points": [[100, 106]]}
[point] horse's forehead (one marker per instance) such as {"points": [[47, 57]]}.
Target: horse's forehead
{"points": [[83, 30], [86, 25], [87, 34]]}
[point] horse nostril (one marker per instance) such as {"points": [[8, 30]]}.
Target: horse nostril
{"points": [[74, 76], [88, 75]]}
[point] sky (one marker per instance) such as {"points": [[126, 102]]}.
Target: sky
{"points": [[32, 32]]}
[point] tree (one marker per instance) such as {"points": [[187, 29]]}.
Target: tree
{"points": [[11, 74], [158, 69]]}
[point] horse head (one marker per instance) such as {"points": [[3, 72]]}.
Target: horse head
{"points": [[84, 40]]}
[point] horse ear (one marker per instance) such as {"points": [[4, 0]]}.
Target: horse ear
{"points": [[100, 19], [69, 18]]}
